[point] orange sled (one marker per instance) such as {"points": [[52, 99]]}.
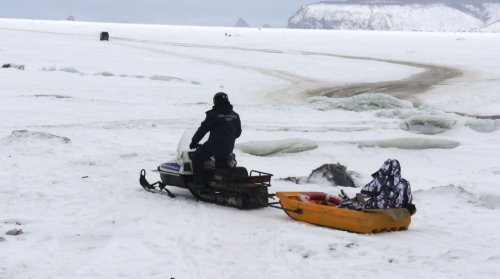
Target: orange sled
{"points": [[320, 209]]}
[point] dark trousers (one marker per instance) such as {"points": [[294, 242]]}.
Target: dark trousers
{"points": [[220, 152]]}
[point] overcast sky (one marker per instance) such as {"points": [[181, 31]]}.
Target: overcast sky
{"points": [[178, 12]]}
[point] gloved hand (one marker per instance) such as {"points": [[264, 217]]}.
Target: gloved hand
{"points": [[193, 145]]}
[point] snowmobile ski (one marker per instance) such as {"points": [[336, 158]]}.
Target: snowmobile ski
{"points": [[156, 188]]}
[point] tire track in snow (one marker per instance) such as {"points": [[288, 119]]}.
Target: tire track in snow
{"points": [[491, 117], [280, 74], [405, 88]]}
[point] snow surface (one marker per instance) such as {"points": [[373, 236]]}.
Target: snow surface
{"points": [[72, 144]]}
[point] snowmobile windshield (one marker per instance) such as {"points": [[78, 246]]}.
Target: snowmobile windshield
{"points": [[185, 141]]}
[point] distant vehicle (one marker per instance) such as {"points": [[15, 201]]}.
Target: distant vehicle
{"points": [[104, 36]]}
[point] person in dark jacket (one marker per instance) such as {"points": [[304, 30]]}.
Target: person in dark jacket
{"points": [[224, 126]]}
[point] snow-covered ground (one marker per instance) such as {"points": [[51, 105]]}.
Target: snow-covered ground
{"points": [[84, 116]]}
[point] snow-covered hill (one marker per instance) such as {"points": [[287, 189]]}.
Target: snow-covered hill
{"points": [[396, 15], [493, 27]]}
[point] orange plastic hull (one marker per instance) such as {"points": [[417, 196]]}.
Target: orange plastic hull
{"points": [[343, 219]]}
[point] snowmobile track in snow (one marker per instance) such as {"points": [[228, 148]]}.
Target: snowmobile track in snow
{"points": [[404, 88]]}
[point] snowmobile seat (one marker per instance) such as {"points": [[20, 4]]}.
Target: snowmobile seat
{"points": [[236, 175], [236, 171]]}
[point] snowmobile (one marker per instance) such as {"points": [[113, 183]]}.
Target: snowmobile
{"points": [[232, 186]]}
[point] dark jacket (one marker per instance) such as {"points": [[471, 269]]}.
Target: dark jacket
{"points": [[224, 126]]}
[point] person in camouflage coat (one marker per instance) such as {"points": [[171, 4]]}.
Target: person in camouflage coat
{"points": [[387, 190]]}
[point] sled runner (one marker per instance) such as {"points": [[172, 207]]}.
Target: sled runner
{"points": [[320, 209]]}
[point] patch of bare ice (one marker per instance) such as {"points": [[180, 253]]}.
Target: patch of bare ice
{"points": [[405, 113], [49, 69], [165, 78], [26, 135], [482, 125], [428, 124], [105, 74], [70, 70], [266, 148], [409, 143], [57, 96], [361, 102]]}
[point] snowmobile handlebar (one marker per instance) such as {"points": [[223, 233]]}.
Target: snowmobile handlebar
{"points": [[194, 146]]}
